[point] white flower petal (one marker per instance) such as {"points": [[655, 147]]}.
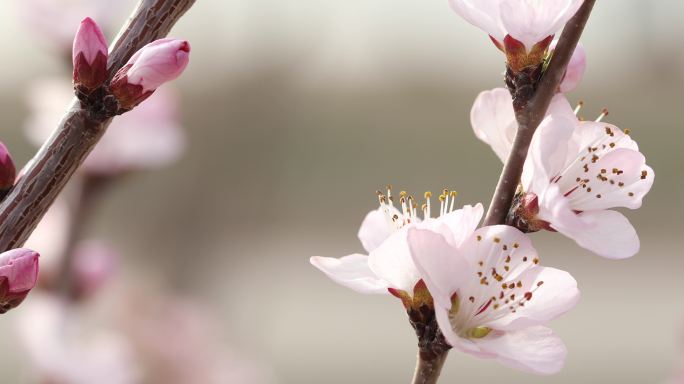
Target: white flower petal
{"points": [[534, 349], [606, 233], [531, 21], [493, 120], [352, 272], [547, 153], [441, 265], [374, 230], [483, 14], [392, 262], [553, 292]]}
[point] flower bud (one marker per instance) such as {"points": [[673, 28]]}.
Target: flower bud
{"points": [[18, 275], [89, 57], [153, 65], [575, 70], [7, 170]]}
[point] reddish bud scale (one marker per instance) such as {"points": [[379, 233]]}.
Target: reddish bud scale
{"points": [[88, 77], [517, 57], [128, 95]]}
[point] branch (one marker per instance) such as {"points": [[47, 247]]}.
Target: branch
{"points": [[531, 115], [47, 173], [429, 368]]}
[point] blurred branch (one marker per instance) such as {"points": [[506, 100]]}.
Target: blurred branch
{"points": [[81, 128], [531, 115]]}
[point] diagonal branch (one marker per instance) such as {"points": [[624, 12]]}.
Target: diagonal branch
{"points": [[47, 173], [533, 113]]}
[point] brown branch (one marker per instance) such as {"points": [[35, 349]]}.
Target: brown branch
{"points": [[80, 129], [429, 368], [531, 115]]}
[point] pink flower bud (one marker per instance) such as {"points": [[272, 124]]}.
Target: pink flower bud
{"points": [[153, 65], [7, 170], [575, 70], [18, 275], [89, 56]]}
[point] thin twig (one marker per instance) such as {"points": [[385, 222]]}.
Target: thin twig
{"points": [[429, 368], [79, 131], [530, 116]]}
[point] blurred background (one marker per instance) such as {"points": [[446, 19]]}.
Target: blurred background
{"points": [[294, 114]]}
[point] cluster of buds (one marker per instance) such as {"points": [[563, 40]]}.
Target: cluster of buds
{"points": [[154, 64]]}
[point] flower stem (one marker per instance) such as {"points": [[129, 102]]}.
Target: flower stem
{"points": [[79, 131], [428, 367], [531, 114]]}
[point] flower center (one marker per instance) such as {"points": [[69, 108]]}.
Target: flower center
{"points": [[498, 289]]}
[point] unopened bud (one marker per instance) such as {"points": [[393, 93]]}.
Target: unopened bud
{"points": [[153, 65], [18, 275], [7, 170], [89, 57]]}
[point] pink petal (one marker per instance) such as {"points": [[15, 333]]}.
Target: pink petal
{"points": [[20, 267], [392, 262], [548, 152], [374, 230], [158, 62], [606, 233], [352, 272], [626, 188], [89, 40], [535, 349], [442, 267], [493, 120], [531, 21], [556, 295], [575, 71], [456, 226], [483, 14]]}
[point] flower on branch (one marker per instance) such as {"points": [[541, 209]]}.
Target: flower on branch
{"points": [[18, 275], [388, 267], [522, 29], [491, 296], [575, 172]]}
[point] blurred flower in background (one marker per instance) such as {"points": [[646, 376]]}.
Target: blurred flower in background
{"points": [[90, 330]]}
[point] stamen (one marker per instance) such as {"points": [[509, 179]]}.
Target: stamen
{"points": [[428, 195], [579, 106], [603, 114]]}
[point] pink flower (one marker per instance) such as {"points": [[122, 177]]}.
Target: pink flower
{"points": [[527, 21], [18, 275], [146, 138], [492, 297], [89, 56], [154, 64], [388, 267], [575, 172], [8, 171]]}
